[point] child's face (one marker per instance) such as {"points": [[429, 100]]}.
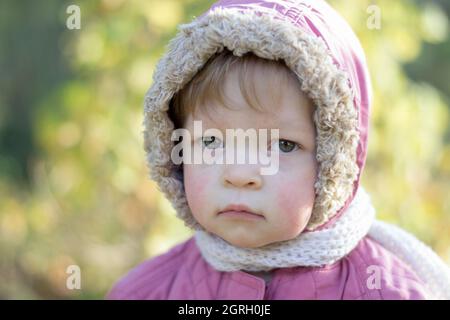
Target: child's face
{"points": [[283, 200]]}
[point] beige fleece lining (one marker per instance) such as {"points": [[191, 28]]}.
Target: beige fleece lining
{"points": [[335, 117]]}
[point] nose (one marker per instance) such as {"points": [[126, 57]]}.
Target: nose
{"points": [[242, 176]]}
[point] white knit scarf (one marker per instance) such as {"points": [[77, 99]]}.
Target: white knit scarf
{"points": [[324, 247]]}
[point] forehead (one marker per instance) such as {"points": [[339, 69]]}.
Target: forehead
{"points": [[283, 103]]}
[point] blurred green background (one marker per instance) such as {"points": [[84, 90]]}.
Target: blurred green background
{"points": [[73, 179]]}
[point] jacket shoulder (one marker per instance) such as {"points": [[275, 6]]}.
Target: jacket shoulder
{"points": [[384, 276], [152, 278]]}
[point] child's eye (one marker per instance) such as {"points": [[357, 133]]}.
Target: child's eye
{"points": [[286, 146], [211, 142]]}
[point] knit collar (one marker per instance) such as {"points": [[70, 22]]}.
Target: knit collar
{"points": [[315, 248]]}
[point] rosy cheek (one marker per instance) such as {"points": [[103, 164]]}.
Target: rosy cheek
{"points": [[294, 202], [287, 199], [195, 186]]}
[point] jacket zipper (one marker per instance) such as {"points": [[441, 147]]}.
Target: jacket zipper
{"points": [[266, 292]]}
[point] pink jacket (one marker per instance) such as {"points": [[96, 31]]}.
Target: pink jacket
{"points": [[182, 273]]}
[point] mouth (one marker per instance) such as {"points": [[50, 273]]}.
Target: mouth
{"points": [[240, 212]]}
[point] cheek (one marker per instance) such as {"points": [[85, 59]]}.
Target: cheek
{"points": [[196, 187], [295, 199]]}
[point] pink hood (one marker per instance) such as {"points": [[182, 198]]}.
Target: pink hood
{"points": [[318, 45]]}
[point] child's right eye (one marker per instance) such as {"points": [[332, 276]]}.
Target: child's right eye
{"points": [[211, 142]]}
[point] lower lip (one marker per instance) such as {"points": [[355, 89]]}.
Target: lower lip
{"points": [[241, 215]]}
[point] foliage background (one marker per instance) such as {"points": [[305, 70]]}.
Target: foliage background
{"points": [[73, 180]]}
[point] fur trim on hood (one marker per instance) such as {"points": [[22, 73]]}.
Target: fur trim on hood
{"points": [[317, 45]]}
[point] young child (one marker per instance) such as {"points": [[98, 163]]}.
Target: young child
{"points": [[307, 231]]}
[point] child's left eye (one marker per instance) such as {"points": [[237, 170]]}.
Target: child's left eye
{"points": [[211, 142], [286, 146]]}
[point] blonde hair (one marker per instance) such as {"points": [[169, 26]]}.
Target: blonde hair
{"points": [[208, 84]]}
